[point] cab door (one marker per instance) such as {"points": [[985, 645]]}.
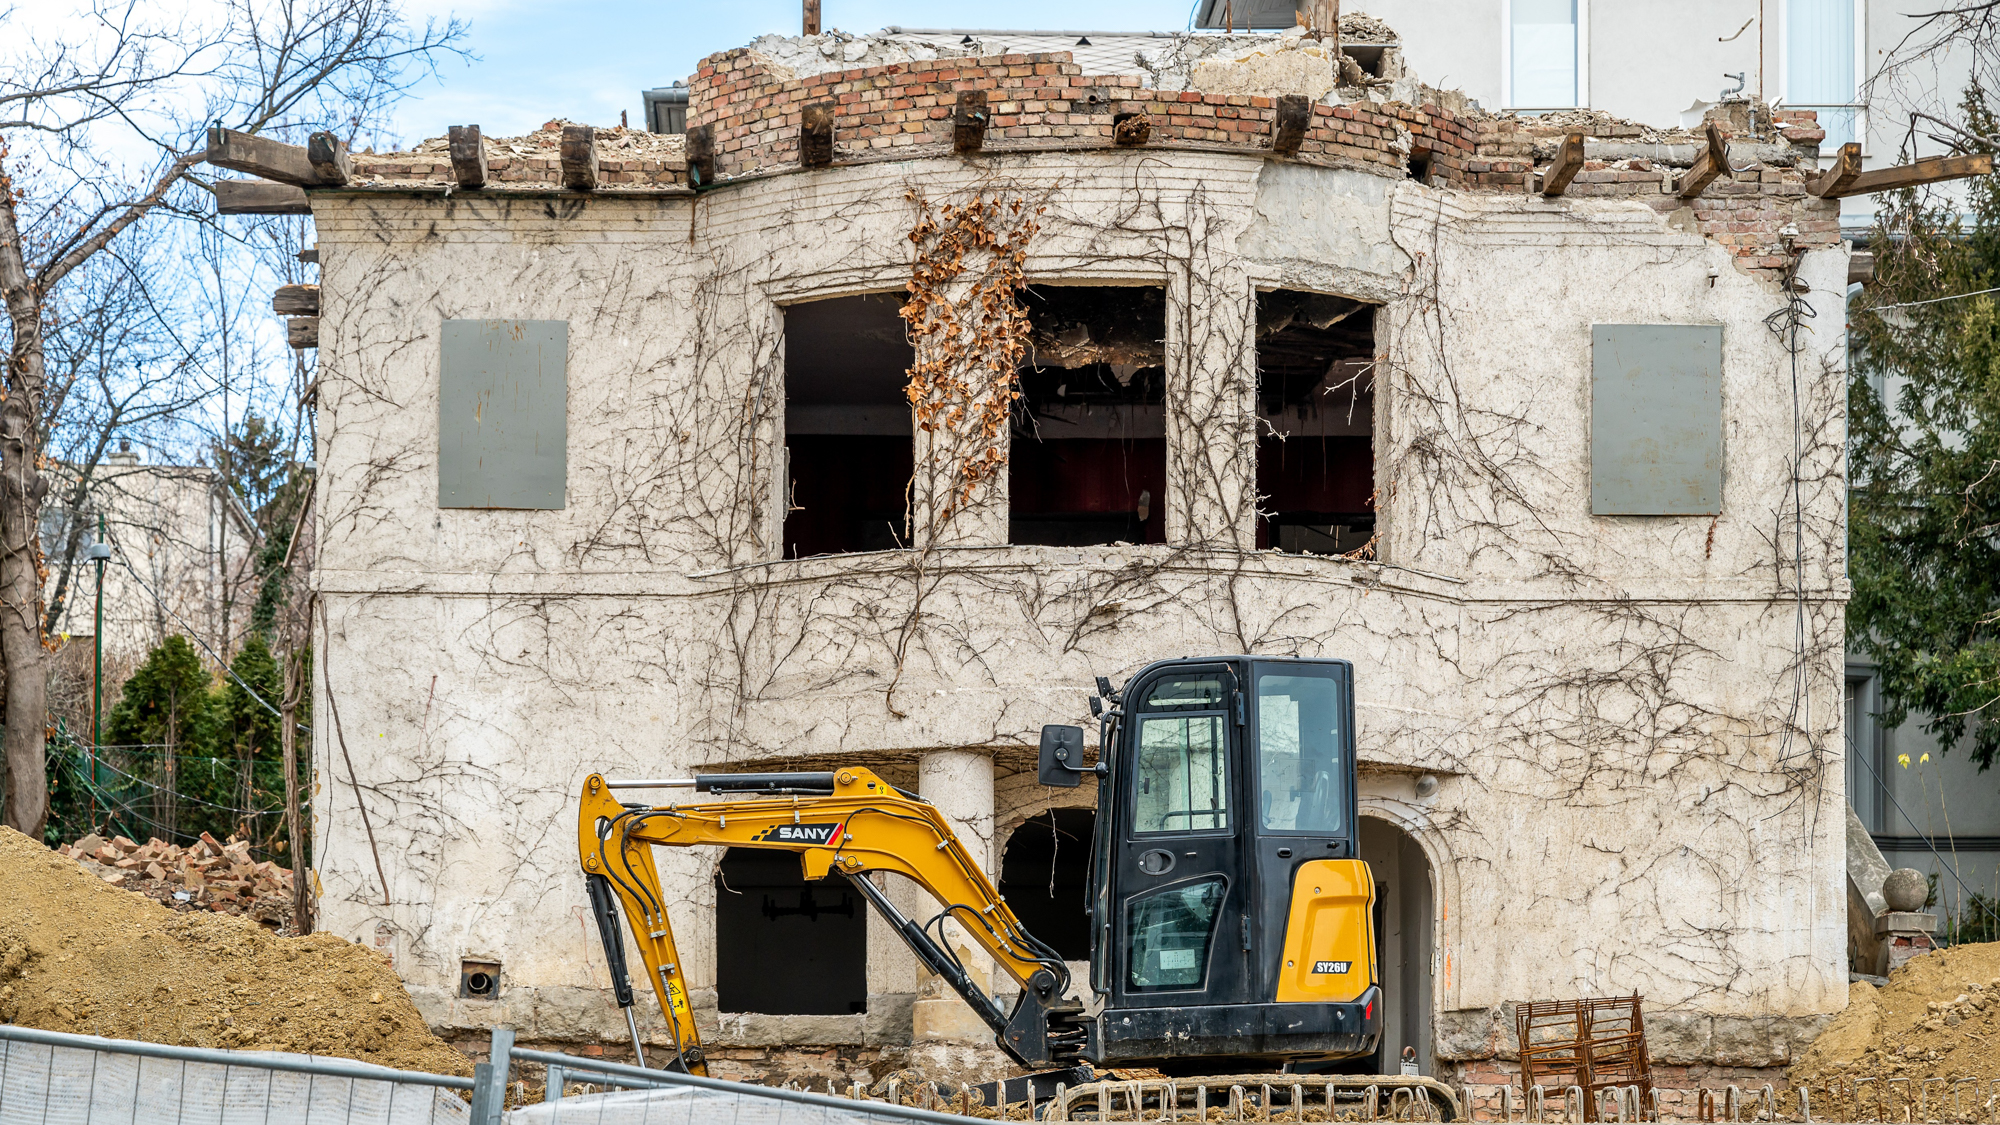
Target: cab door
{"points": [[1179, 924]]}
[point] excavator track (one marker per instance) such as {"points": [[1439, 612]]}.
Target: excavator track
{"points": [[1257, 1097]]}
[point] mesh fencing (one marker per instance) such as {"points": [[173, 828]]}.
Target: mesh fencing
{"points": [[48, 1078]]}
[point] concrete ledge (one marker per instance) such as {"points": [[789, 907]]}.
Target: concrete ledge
{"points": [[583, 1015]]}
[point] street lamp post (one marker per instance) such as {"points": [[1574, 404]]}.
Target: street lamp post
{"points": [[100, 553]]}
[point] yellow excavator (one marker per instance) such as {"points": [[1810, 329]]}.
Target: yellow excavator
{"points": [[1232, 920]]}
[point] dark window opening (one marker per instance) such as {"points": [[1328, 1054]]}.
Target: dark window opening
{"points": [[1316, 422], [1045, 876], [1420, 165], [1089, 459], [785, 946], [847, 425]]}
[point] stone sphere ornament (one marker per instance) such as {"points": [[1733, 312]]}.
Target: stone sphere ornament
{"points": [[1905, 889]]}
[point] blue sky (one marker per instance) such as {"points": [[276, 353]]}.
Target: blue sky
{"points": [[588, 60]]}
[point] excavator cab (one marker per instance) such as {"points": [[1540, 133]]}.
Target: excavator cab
{"points": [[1231, 918]]}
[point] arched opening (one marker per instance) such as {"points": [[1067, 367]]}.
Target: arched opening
{"points": [[1403, 937], [1044, 876], [784, 946]]}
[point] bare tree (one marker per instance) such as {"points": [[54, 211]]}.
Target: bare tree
{"points": [[117, 79]]}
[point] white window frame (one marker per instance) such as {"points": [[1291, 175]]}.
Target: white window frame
{"points": [[1582, 59], [1861, 74]]}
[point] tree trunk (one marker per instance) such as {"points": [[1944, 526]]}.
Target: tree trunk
{"points": [[21, 490], [294, 832]]}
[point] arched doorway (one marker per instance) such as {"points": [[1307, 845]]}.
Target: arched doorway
{"points": [[1403, 939], [1044, 876]]}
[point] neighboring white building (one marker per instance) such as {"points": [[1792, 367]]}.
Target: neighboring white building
{"points": [[183, 554], [1663, 63]]}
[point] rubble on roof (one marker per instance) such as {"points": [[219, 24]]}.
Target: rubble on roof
{"points": [[792, 57], [626, 158]]}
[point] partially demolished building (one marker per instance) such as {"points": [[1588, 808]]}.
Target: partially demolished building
{"points": [[916, 386]]}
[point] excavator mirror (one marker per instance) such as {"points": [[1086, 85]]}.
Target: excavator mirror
{"points": [[1062, 757]]}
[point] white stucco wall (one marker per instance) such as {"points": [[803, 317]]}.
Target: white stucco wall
{"points": [[1630, 798]]}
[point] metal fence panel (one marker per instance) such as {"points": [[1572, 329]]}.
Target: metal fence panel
{"points": [[52, 1079], [688, 1105]]}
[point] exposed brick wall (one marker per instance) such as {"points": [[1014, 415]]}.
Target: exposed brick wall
{"points": [[1046, 101], [906, 109], [1746, 211]]}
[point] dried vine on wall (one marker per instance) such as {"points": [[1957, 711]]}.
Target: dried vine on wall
{"points": [[970, 335]]}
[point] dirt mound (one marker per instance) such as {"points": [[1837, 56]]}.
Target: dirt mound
{"points": [[79, 955], [1938, 1017]]}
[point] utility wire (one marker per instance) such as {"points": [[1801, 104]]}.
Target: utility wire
{"points": [[1934, 300]]}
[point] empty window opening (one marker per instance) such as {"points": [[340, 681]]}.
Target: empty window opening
{"points": [[1420, 165], [1089, 459], [1316, 422], [1045, 876], [847, 425], [785, 946]]}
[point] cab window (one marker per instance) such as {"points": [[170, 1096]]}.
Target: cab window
{"points": [[1301, 750], [1180, 781]]}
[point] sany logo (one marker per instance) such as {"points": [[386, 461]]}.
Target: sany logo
{"points": [[819, 834], [1334, 967]]}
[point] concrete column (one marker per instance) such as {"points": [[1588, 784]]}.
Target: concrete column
{"points": [[960, 784]]}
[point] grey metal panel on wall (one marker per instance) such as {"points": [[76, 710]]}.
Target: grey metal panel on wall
{"points": [[1655, 419], [503, 414]]}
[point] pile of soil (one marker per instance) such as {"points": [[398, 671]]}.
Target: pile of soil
{"points": [[206, 875], [1938, 1017], [80, 955]]}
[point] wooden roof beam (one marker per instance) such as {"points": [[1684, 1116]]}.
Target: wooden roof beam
{"points": [[1711, 164], [1930, 170], [259, 197], [1563, 169]]}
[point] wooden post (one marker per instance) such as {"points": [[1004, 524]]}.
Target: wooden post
{"points": [[816, 135], [1563, 169], [811, 17], [1288, 126], [328, 156], [1830, 183], [261, 157], [1323, 18], [296, 300], [259, 197], [701, 156], [468, 157], [579, 158], [1930, 170], [1713, 162], [968, 121]]}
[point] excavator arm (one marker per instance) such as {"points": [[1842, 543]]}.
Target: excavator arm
{"points": [[849, 823]]}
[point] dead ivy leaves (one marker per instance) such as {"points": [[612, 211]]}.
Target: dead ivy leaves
{"points": [[969, 333]]}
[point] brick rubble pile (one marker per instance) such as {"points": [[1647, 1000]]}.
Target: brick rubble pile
{"points": [[207, 875]]}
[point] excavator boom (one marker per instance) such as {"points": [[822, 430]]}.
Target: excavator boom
{"points": [[851, 823]]}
